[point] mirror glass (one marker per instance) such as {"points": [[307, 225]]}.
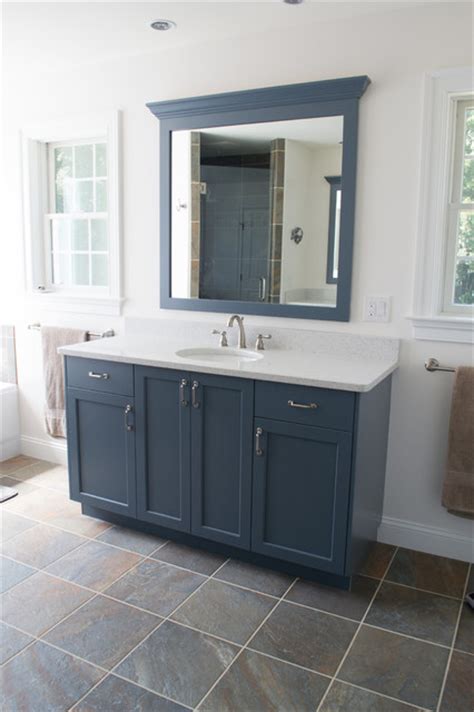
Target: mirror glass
{"points": [[255, 212]]}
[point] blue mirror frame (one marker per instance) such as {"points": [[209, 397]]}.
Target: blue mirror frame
{"points": [[335, 97]]}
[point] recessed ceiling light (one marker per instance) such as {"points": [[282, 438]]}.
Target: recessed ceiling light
{"points": [[163, 25], [293, 2]]}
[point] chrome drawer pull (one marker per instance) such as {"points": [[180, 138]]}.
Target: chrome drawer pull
{"points": [[306, 406], [258, 448], [105, 376], [182, 392], [194, 399], [127, 411]]}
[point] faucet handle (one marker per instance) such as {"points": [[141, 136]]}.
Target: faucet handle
{"points": [[223, 335], [259, 345]]}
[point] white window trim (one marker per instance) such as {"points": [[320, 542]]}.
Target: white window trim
{"points": [[35, 208], [428, 319]]}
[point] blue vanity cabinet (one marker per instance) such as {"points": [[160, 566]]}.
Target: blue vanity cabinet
{"points": [[101, 450], [221, 458], [301, 484], [163, 447]]}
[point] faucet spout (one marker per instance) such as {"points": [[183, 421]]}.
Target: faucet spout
{"points": [[240, 323]]}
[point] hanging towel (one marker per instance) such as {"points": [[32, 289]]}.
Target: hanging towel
{"points": [[52, 337], [458, 487]]}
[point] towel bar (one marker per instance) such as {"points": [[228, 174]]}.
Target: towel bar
{"points": [[94, 334], [432, 364]]}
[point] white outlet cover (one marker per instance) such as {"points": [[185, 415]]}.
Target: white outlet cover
{"points": [[377, 309]]}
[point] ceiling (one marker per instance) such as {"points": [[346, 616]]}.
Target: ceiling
{"points": [[57, 35], [323, 131]]}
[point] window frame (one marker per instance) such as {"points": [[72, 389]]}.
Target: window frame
{"points": [[430, 318], [455, 204], [39, 199], [73, 289]]}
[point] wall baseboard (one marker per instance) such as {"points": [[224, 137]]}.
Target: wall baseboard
{"points": [[431, 540], [44, 449]]}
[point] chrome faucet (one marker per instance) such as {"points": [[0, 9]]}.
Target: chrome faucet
{"points": [[240, 323]]}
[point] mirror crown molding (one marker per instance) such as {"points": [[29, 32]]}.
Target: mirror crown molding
{"points": [[267, 97]]}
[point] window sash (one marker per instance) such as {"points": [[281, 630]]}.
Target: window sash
{"points": [[49, 253], [456, 206], [53, 215]]}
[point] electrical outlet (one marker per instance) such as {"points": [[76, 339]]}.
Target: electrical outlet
{"points": [[377, 309]]}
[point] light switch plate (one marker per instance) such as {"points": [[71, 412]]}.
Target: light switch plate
{"points": [[377, 309]]}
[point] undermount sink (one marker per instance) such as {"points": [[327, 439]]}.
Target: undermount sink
{"points": [[220, 355]]}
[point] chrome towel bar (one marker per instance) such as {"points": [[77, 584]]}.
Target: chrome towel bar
{"points": [[93, 334], [432, 364]]}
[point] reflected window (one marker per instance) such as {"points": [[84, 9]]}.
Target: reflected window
{"points": [[335, 200]]}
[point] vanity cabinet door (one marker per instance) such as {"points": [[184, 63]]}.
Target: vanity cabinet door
{"points": [[221, 458], [301, 493], [101, 450], [163, 447]]}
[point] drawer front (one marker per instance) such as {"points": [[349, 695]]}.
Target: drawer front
{"points": [[307, 406], [97, 375]]}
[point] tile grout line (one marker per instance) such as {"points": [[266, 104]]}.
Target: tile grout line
{"points": [[86, 662], [349, 648], [207, 578], [104, 594], [162, 621], [450, 656], [245, 646]]}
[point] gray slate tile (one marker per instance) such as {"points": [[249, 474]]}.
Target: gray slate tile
{"points": [[12, 524], [378, 560], [156, 586], [465, 635], [41, 546], [40, 602], [351, 604], [256, 682], [12, 641], [203, 562], [458, 695], [178, 663], [45, 679], [306, 637], [137, 542], [407, 669], [103, 631], [94, 565], [431, 573], [413, 612], [12, 572], [116, 695], [227, 611], [345, 698], [274, 583]]}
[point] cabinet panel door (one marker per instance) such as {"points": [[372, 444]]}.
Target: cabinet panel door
{"points": [[163, 447], [101, 450], [301, 493], [221, 462]]}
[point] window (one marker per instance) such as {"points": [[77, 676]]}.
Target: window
{"points": [[335, 193], [444, 275], [459, 278], [72, 215], [77, 241]]}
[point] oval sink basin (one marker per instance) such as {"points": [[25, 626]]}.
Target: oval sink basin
{"points": [[220, 355]]}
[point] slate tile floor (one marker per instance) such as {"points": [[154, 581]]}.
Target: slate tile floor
{"points": [[97, 618]]}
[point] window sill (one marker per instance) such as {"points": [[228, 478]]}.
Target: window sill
{"points": [[454, 329], [109, 306]]}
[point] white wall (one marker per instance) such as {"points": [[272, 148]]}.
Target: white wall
{"points": [[306, 205], [394, 50]]}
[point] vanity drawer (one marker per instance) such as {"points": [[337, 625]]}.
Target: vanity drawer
{"points": [[98, 375], [309, 406]]}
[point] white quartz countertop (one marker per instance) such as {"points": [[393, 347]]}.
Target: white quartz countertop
{"points": [[340, 369]]}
